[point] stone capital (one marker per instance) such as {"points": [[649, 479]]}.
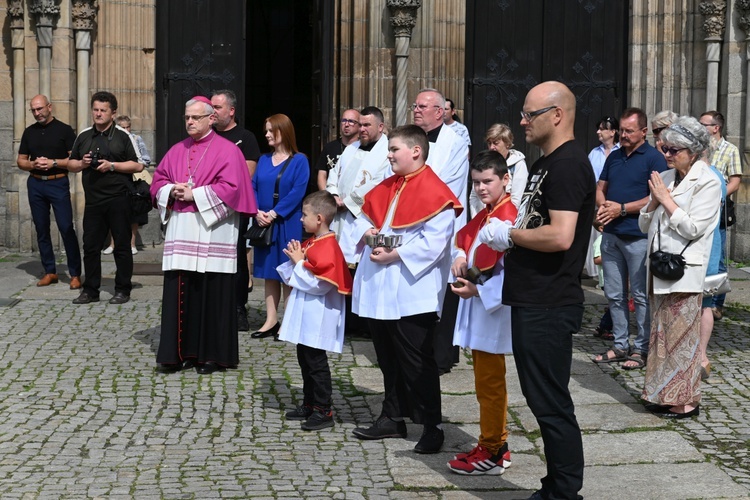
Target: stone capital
{"points": [[84, 14], [714, 13], [743, 13], [45, 11], [15, 12], [403, 16]]}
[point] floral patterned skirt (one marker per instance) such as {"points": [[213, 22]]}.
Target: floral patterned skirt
{"points": [[673, 368]]}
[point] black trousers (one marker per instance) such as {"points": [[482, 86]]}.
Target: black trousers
{"points": [[98, 220], [543, 350], [407, 361], [354, 324], [242, 277], [446, 354], [316, 376]]}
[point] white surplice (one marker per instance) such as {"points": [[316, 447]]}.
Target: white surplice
{"points": [[417, 282], [449, 159], [314, 314], [204, 241], [483, 323]]}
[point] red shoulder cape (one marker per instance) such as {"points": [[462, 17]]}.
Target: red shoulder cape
{"points": [[421, 196], [326, 261], [485, 258]]}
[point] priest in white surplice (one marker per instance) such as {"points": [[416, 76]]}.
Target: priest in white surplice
{"points": [[449, 159], [361, 167]]}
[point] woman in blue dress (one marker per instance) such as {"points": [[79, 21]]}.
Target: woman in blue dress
{"points": [[285, 215]]}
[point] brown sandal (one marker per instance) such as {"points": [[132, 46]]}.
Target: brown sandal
{"points": [[637, 358]]}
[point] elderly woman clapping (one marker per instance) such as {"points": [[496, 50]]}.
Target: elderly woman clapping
{"points": [[680, 217]]}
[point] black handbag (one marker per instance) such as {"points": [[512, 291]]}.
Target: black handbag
{"points": [[667, 266], [259, 236], [263, 236], [140, 198], [728, 214]]}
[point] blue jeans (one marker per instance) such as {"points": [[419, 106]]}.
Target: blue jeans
{"points": [[623, 260], [55, 194], [718, 300]]}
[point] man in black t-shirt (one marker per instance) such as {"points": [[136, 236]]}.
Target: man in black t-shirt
{"points": [[331, 151], [545, 252], [108, 156], [225, 106], [44, 150]]}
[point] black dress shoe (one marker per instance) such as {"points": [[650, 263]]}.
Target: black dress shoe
{"points": [[168, 368], [676, 416], [119, 298], [208, 367], [85, 298], [188, 364], [268, 333], [431, 440], [655, 408], [383, 428]]}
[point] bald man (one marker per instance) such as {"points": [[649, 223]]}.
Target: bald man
{"points": [[545, 252], [43, 153], [330, 155]]}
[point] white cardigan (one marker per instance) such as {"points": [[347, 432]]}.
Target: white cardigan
{"points": [[698, 197]]}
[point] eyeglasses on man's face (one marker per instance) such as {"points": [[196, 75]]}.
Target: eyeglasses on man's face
{"points": [[195, 118], [423, 107], [531, 114], [709, 124], [347, 121]]}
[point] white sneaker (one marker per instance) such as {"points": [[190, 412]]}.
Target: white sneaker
{"points": [[108, 250], [133, 250]]}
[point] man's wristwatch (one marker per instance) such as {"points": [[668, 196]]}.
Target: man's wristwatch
{"points": [[623, 212], [112, 167], [510, 240], [54, 163]]}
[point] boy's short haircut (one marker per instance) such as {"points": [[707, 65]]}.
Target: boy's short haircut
{"points": [[323, 203], [412, 136], [489, 159]]}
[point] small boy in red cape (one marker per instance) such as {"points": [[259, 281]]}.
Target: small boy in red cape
{"points": [[400, 287], [482, 321], [314, 314]]}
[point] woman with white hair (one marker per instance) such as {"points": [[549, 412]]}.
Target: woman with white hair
{"points": [[680, 218]]}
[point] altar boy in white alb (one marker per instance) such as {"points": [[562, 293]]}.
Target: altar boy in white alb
{"points": [[400, 290], [314, 315]]}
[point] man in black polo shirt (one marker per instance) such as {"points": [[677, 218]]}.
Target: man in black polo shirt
{"points": [[225, 103], [331, 151], [44, 150], [108, 157]]}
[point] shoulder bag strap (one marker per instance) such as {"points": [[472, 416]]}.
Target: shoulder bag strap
{"points": [[658, 233], [278, 180]]}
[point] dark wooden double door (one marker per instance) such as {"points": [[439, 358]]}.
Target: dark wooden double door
{"points": [[512, 45], [276, 56]]}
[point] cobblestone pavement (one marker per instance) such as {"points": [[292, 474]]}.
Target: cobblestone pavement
{"points": [[83, 414]]}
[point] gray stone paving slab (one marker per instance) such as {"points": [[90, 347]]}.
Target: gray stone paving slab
{"points": [[83, 414]]}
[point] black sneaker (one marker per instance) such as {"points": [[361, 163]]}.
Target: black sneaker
{"points": [[300, 413], [320, 419], [383, 427], [431, 440], [243, 325]]}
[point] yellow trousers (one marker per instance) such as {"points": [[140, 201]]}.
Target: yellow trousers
{"points": [[492, 394]]}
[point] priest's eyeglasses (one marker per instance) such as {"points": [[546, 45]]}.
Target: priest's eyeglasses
{"points": [[195, 118]]}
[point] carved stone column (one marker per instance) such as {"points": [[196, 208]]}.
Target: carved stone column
{"points": [[84, 21], [743, 10], [403, 20], [15, 12], [714, 12], [45, 11]]}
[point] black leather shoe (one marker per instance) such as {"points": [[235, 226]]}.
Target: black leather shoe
{"points": [[268, 333], [431, 440], [383, 428], [677, 416], [168, 368], [188, 364], [85, 298], [119, 298], [209, 367], [655, 408]]}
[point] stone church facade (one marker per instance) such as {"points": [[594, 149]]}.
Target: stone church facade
{"points": [[684, 55]]}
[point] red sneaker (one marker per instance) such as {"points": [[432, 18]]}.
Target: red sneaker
{"points": [[479, 462]]}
